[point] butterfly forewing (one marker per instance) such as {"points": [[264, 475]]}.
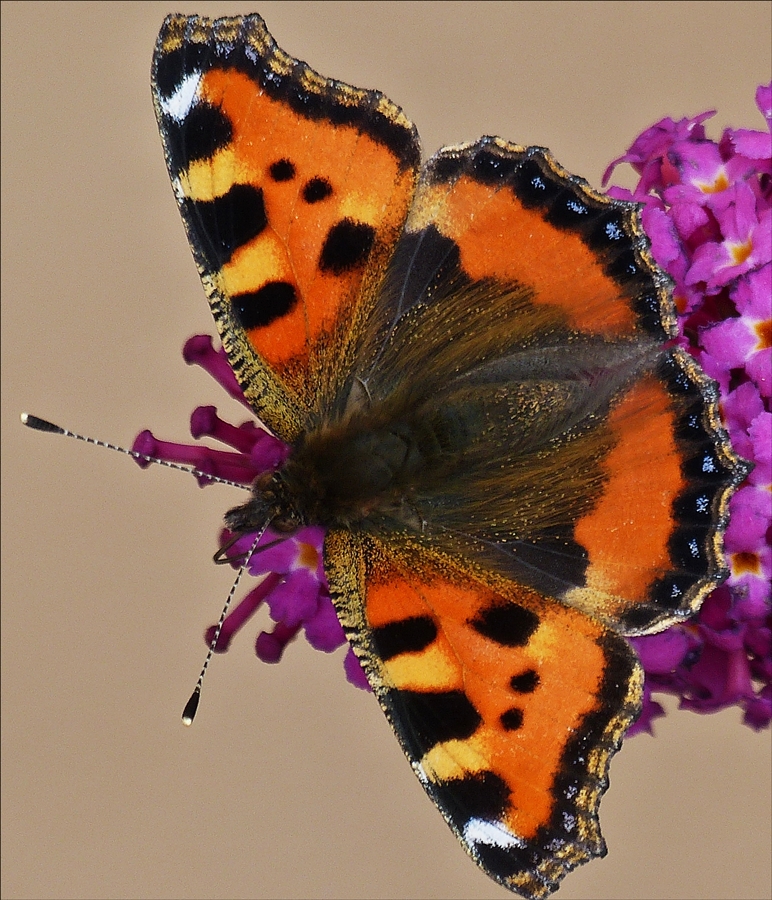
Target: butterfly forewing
{"points": [[293, 189]]}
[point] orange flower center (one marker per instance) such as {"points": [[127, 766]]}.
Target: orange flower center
{"points": [[764, 332], [743, 563], [720, 183], [740, 252], [307, 556]]}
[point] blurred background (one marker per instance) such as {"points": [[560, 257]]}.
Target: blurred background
{"points": [[290, 784]]}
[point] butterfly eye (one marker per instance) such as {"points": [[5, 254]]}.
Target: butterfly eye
{"points": [[262, 482]]}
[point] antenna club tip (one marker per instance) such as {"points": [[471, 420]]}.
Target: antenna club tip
{"points": [[40, 424], [189, 713]]}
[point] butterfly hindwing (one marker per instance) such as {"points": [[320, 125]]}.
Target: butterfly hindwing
{"points": [[507, 706]]}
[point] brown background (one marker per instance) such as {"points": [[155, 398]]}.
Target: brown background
{"points": [[290, 783]]}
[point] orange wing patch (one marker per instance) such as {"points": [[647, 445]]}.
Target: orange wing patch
{"points": [[496, 694], [663, 491], [643, 425], [330, 195]]}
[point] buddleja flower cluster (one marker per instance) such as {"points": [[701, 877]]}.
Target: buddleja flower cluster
{"points": [[708, 211], [707, 208]]}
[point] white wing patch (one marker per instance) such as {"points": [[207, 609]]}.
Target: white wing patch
{"points": [[179, 104], [480, 831]]}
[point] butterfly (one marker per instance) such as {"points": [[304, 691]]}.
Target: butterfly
{"points": [[471, 360]]}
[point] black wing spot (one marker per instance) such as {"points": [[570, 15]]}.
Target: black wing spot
{"points": [[507, 624], [493, 168], [173, 67], [533, 187], [689, 549], [347, 246], [204, 130], [316, 190], [256, 309], [447, 168], [408, 636], [639, 617], [226, 223], [437, 717], [484, 795], [526, 682], [282, 170], [695, 506], [512, 719]]}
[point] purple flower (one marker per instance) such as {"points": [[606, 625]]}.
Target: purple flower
{"points": [[708, 212], [292, 582]]}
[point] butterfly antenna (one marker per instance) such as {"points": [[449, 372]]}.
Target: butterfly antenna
{"points": [[189, 713], [43, 425]]}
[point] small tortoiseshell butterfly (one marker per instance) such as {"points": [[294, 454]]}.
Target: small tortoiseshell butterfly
{"points": [[469, 359]]}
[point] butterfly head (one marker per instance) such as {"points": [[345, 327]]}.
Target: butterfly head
{"points": [[270, 504]]}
